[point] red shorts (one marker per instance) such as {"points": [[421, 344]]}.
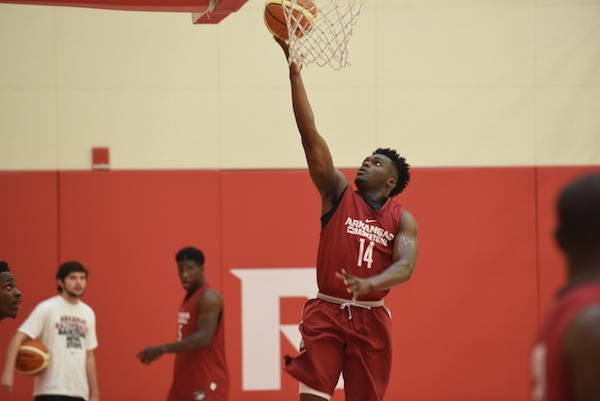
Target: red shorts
{"points": [[332, 343]]}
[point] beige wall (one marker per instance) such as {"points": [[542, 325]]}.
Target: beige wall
{"points": [[448, 83]]}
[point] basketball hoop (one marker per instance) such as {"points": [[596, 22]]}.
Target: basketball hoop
{"points": [[325, 39]]}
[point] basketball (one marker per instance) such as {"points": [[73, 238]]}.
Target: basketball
{"points": [[33, 358], [304, 12]]}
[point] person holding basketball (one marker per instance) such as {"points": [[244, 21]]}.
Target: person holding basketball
{"points": [[566, 358], [10, 296], [67, 327], [368, 245], [200, 371]]}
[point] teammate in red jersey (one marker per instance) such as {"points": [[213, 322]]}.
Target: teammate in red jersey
{"points": [[200, 371], [566, 357], [368, 245]]}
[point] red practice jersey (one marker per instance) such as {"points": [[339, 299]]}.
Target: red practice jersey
{"points": [[200, 374], [550, 377], [359, 240]]}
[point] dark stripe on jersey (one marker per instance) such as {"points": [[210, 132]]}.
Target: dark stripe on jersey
{"points": [[327, 216]]}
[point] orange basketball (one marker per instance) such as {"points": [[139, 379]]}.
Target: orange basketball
{"points": [[33, 358], [305, 12]]}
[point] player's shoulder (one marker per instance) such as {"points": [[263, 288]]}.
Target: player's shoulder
{"points": [[211, 294], [407, 220], [49, 303], [46, 306], [86, 309], [588, 320], [406, 214], [583, 332], [406, 223], [209, 298]]}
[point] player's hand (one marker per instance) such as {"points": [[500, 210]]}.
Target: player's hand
{"points": [[94, 398], [295, 68], [355, 285], [149, 354], [7, 382]]}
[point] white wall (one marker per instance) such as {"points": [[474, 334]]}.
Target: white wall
{"points": [[446, 82]]}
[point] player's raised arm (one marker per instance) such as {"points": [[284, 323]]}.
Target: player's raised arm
{"points": [[329, 181]]}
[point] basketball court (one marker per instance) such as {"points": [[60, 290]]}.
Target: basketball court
{"points": [[131, 129]]}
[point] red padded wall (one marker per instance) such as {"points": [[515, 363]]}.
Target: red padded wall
{"points": [[463, 325], [272, 219], [28, 242], [127, 227], [464, 322]]}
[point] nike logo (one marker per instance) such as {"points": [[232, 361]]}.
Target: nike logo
{"points": [[370, 220]]}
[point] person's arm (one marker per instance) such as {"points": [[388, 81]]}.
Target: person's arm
{"points": [[8, 375], [330, 182], [582, 352], [92, 377], [403, 262], [208, 307]]}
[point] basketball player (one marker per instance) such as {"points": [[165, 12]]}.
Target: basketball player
{"points": [[67, 327], [368, 245], [10, 296], [566, 358], [200, 371]]}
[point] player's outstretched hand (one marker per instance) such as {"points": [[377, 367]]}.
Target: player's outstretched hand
{"points": [[294, 67], [355, 285], [149, 354]]}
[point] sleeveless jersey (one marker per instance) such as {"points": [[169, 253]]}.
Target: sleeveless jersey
{"points": [[200, 374], [359, 240], [550, 377]]}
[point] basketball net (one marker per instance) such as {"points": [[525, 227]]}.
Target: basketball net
{"points": [[322, 40]]}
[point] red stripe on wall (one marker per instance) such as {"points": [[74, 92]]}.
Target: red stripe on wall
{"points": [[462, 325]]}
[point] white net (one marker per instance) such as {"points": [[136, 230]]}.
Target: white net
{"points": [[319, 30]]}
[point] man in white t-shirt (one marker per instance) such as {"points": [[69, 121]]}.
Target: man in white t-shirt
{"points": [[67, 326]]}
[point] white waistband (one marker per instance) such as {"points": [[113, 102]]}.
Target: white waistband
{"points": [[353, 302]]}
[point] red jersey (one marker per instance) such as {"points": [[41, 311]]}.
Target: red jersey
{"points": [[550, 378], [358, 239], [200, 374]]}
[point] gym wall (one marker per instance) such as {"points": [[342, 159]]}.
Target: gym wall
{"points": [[493, 102]]}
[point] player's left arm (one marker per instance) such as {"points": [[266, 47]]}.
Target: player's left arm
{"points": [[92, 377], [208, 307], [403, 262], [582, 351]]}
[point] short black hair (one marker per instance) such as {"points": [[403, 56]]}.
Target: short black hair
{"points": [[190, 253], [402, 168], [67, 268], [578, 209], [4, 266]]}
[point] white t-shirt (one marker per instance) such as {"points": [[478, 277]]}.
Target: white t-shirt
{"points": [[69, 331]]}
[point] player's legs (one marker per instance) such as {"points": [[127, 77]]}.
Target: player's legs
{"points": [[321, 358], [368, 356], [311, 397], [310, 394]]}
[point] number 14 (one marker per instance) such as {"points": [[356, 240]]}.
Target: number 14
{"points": [[365, 255]]}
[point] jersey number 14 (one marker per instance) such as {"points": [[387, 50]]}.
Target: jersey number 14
{"points": [[365, 254]]}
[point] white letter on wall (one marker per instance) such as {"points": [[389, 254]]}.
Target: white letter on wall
{"points": [[261, 327]]}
